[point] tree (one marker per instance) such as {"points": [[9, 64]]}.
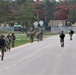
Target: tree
{"points": [[5, 14], [72, 14], [26, 13], [62, 11], [71, 1], [20, 1], [49, 9], [23, 1], [39, 11]]}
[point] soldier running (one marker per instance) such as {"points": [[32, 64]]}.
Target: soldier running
{"points": [[71, 32], [62, 35], [2, 45], [9, 41], [13, 37]]}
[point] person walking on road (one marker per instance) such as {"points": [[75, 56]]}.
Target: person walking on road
{"points": [[31, 36], [71, 32], [62, 36], [41, 35], [13, 37], [9, 41], [2, 45]]}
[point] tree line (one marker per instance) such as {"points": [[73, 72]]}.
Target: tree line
{"points": [[25, 12]]}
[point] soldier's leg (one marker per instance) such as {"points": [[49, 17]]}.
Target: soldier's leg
{"points": [[13, 43], [42, 37], [61, 42], [32, 39], [2, 54], [9, 47], [70, 37]]}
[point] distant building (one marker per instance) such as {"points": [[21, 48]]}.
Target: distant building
{"points": [[57, 23]]}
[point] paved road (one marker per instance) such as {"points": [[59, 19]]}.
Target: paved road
{"points": [[41, 58]]}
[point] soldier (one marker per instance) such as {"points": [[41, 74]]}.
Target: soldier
{"points": [[31, 36], [9, 41], [2, 45], [62, 35], [38, 36], [41, 35], [28, 33], [13, 37], [71, 32]]}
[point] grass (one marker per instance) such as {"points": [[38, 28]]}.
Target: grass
{"points": [[22, 38], [21, 42]]}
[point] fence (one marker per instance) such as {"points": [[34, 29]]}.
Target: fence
{"points": [[7, 28], [57, 29]]}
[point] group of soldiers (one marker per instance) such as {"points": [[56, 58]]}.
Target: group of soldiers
{"points": [[6, 41], [35, 34], [62, 36]]}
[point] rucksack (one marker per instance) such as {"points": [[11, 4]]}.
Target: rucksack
{"points": [[2, 42], [72, 32]]}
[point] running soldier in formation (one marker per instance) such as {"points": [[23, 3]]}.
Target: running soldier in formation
{"points": [[13, 38], [2, 45], [31, 36], [39, 35], [9, 41]]}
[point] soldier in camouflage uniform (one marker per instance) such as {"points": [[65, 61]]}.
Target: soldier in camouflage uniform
{"points": [[31, 36], [9, 41], [38, 36], [41, 35], [13, 37], [2, 45]]}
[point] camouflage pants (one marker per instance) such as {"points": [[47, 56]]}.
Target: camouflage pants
{"points": [[70, 37], [2, 50], [13, 43], [62, 42]]}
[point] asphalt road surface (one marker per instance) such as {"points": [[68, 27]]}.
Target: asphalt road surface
{"points": [[41, 58]]}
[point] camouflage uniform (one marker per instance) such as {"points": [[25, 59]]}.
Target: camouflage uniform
{"points": [[38, 36], [9, 41], [31, 36], [2, 46], [41, 35], [13, 37]]}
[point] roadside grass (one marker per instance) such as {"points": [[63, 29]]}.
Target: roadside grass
{"points": [[22, 38], [21, 42]]}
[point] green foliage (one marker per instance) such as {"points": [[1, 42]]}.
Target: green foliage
{"points": [[20, 1], [49, 9], [4, 12], [72, 13], [26, 13], [71, 1]]}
